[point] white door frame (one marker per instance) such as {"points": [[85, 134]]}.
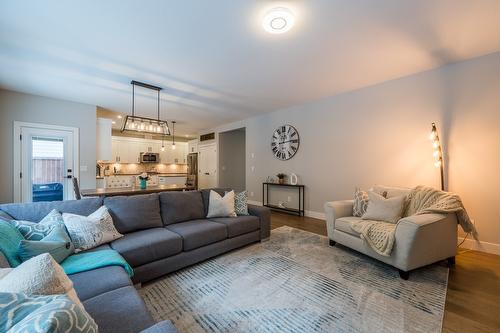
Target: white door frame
{"points": [[17, 151]]}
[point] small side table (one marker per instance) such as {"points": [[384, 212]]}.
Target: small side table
{"points": [[265, 198]]}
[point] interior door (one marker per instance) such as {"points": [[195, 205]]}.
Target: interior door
{"points": [[47, 164], [207, 166]]}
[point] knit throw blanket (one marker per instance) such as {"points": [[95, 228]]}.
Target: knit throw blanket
{"points": [[380, 236]]}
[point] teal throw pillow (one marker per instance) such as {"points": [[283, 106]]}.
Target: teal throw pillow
{"points": [[37, 231], [57, 243], [9, 241], [43, 314]]}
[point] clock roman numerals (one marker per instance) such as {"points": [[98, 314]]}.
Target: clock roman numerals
{"points": [[285, 142]]}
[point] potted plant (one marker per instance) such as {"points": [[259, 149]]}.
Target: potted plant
{"points": [[143, 178], [281, 178]]}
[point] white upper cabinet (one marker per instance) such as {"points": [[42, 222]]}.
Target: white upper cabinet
{"points": [[192, 146], [103, 140], [128, 150]]}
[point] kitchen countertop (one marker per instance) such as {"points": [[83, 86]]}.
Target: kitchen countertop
{"points": [[152, 174], [109, 192]]}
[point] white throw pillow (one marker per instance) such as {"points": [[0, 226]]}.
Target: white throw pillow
{"points": [[221, 206], [87, 232], [4, 272], [40, 275], [382, 209]]}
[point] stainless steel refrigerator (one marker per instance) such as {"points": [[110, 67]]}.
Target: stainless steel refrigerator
{"points": [[192, 169]]}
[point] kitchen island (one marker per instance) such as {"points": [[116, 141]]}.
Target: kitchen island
{"points": [[109, 192]]}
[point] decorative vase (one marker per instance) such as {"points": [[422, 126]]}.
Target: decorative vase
{"points": [[143, 183], [281, 180]]}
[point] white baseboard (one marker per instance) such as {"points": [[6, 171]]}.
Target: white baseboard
{"points": [[471, 244], [308, 213]]}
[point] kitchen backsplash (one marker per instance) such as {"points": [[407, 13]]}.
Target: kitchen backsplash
{"points": [[135, 168]]}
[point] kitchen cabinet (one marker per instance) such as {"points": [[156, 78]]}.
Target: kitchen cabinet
{"points": [[180, 180], [192, 146], [128, 150]]}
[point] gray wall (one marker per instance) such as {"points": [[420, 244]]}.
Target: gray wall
{"points": [[232, 159], [15, 106], [379, 135]]}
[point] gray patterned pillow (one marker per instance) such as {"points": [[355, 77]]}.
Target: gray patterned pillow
{"points": [[87, 232], [241, 203], [37, 231], [360, 202]]}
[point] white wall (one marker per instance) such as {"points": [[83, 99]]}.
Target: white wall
{"points": [[15, 106], [379, 135]]}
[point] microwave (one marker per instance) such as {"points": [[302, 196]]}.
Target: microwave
{"points": [[150, 158]]}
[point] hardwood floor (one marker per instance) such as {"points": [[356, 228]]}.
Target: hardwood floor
{"points": [[473, 298]]}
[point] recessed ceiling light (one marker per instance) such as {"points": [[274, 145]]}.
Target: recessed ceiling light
{"points": [[113, 122], [278, 20]]}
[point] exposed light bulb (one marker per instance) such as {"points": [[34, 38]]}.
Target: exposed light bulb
{"points": [[437, 164], [173, 145], [151, 127], [162, 148], [435, 153], [435, 144], [143, 126], [432, 136]]}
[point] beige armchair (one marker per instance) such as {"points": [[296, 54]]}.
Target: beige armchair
{"points": [[420, 239]]}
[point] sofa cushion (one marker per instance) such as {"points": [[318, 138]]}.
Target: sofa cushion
{"points": [[239, 225], [181, 206], [344, 224], [197, 233], [91, 283], [206, 196], [36, 211], [145, 246], [120, 310], [136, 212]]}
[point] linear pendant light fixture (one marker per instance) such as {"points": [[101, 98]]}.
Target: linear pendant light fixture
{"points": [[135, 123], [438, 152], [173, 134]]}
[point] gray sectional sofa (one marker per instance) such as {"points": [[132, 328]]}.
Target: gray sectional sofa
{"points": [[162, 233]]}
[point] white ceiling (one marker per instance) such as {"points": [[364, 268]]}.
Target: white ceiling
{"points": [[214, 60]]}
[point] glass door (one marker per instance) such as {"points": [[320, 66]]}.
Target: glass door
{"points": [[47, 164]]}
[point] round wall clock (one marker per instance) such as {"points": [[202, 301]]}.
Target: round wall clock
{"points": [[285, 142]]}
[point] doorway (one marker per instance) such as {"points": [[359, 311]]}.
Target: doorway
{"points": [[45, 161], [232, 159], [207, 166]]}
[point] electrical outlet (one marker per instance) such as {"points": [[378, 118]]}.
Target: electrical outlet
{"points": [[251, 194], [289, 199]]}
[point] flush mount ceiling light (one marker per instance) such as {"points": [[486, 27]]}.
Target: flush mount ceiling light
{"points": [[278, 20]]}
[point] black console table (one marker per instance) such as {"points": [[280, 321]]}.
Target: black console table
{"points": [[265, 198]]}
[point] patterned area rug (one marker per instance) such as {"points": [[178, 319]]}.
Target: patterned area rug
{"points": [[295, 282]]}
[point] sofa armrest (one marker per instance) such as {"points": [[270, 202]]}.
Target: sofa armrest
{"points": [[425, 239], [162, 327], [335, 210], [264, 215]]}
